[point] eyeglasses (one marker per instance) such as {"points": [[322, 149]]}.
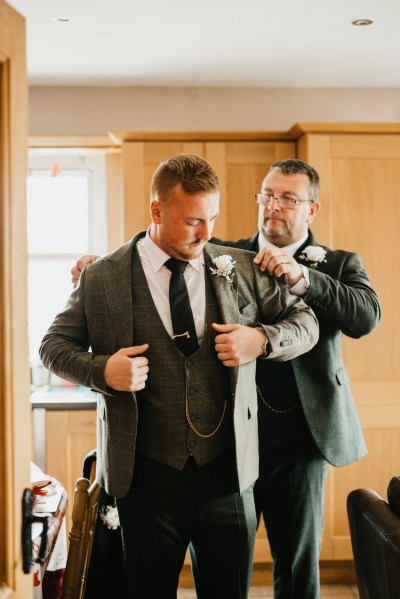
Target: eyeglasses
{"points": [[265, 199]]}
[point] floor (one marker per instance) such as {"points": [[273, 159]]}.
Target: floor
{"points": [[328, 591]]}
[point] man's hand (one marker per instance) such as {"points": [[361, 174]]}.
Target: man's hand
{"points": [[123, 372], [278, 262], [79, 266], [238, 344]]}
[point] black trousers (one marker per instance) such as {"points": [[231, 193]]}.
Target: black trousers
{"points": [[168, 510], [290, 494]]}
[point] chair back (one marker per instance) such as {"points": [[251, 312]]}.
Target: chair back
{"points": [[375, 537], [84, 517]]}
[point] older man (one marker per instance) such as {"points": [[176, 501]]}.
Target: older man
{"points": [[307, 417]]}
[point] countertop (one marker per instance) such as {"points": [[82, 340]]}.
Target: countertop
{"points": [[63, 398]]}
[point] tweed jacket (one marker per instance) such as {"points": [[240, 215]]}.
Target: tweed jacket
{"points": [[98, 321], [345, 304]]}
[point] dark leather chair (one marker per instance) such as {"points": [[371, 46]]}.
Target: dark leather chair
{"points": [[375, 537]]}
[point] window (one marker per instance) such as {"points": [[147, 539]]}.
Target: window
{"points": [[66, 203]]}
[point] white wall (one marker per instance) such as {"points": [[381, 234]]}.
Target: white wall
{"points": [[97, 110]]}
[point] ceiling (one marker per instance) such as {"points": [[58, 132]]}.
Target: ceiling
{"points": [[268, 43]]}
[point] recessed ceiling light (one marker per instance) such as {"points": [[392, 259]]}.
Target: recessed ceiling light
{"points": [[63, 19], [361, 22]]}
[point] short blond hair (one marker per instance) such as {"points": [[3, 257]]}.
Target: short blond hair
{"points": [[194, 174]]}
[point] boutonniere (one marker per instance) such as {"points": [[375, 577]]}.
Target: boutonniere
{"points": [[224, 266], [109, 516], [314, 254]]}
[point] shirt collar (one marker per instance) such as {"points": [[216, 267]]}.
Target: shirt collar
{"points": [[290, 249], [158, 257]]}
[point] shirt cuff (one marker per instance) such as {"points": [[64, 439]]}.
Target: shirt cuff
{"points": [[301, 286]]}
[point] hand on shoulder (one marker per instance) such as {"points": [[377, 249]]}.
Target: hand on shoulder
{"points": [[79, 266], [278, 262]]}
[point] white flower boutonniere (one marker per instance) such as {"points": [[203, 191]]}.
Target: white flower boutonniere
{"points": [[314, 254], [224, 266], [109, 516]]}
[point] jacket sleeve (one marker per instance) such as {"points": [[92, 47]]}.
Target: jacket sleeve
{"points": [[344, 300], [65, 347], [290, 325]]}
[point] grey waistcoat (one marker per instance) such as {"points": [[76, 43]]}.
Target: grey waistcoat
{"points": [[163, 430]]}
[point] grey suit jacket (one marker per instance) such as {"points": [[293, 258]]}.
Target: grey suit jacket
{"points": [[99, 316], [345, 304]]}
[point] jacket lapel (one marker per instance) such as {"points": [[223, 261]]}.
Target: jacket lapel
{"points": [[117, 282], [226, 293], [252, 243], [309, 241], [227, 299], [322, 266]]}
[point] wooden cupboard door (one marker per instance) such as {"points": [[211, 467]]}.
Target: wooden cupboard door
{"points": [[70, 435], [15, 423], [360, 196], [241, 168], [139, 161]]}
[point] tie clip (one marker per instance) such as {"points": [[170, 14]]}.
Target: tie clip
{"points": [[185, 334]]}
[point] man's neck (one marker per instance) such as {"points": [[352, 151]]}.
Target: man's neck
{"points": [[291, 248]]}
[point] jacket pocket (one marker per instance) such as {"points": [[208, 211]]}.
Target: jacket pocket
{"points": [[242, 303], [247, 314], [341, 376]]}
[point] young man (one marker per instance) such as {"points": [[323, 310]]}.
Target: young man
{"points": [[177, 427]]}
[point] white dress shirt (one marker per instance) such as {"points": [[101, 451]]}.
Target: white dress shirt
{"points": [[158, 276], [304, 283]]}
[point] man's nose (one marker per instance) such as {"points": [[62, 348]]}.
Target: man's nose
{"points": [[204, 231], [273, 204]]}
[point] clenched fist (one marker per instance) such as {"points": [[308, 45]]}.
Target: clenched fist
{"points": [[126, 370]]}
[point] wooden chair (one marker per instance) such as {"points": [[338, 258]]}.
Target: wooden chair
{"points": [[84, 518]]}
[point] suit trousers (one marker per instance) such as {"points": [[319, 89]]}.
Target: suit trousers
{"points": [[167, 510], [290, 495]]}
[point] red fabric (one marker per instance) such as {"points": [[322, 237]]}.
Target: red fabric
{"points": [[52, 584], [36, 581]]}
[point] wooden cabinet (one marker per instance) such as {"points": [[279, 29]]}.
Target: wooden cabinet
{"points": [[359, 166], [360, 196], [70, 435], [241, 166]]}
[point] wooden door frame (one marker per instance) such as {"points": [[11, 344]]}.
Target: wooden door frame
{"points": [[15, 423]]}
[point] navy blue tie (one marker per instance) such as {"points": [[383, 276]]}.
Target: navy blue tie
{"points": [[185, 337]]}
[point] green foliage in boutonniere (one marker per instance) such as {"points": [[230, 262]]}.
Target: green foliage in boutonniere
{"points": [[224, 266], [314, 254]]}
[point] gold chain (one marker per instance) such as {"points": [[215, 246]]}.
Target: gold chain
{"points": [[270, 407], [194, 429]]}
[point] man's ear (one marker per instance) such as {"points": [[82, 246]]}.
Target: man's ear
{"points": [[155, 211], [314, 208]]}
